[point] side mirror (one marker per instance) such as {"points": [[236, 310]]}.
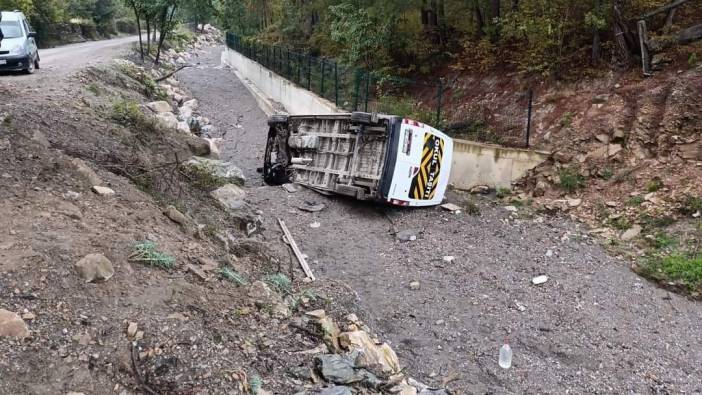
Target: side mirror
{"points": [[31, 34]]}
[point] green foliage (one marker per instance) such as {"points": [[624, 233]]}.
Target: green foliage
{"points": [[127, 113], [361, 35], [662, 240], [256, 384], [570, 180], [203, 176], [503, 192], [654, 185], [635, 201], [692, 60], [231, 275], [567, 119], [279, 281], [691, 205], [620, 223], [686, 268], [146, 252], [606, 173]]}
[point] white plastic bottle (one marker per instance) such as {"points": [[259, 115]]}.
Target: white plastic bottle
{"points": [[505, 360]]}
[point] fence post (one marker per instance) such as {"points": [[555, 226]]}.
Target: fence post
{"points": [[356, 84], [528, 130], [439, 97], [336, 85], [288, 72], [309, 72], [321, 89], [368, 77]]}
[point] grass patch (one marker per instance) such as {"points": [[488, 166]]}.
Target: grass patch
{"points": [[94, 89], [654, 185], [656, 222], [502, 192], [662, 240], [635, 201], [128, 113], [279, 281], [202, 175], [255, 384], [567, 119], [677, 267], [231, 275], [471, 208], [620, 223], [690, 205], [570, 180], [146, 252], [606, 173]]}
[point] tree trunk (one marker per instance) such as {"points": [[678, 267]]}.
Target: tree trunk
{"points": [[166, 23], [148, 34], [495, 16], [596, 47], [479, 21], [669, 21], [515, 5], [138, 21]]}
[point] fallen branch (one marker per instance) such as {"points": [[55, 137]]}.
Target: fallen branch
{"points": [[165, 77], [137, 373], [665, 8], [301, 258]]}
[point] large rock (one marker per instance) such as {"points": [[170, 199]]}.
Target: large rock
{"points": [[199, 146], [12, 325], [159, 106], [230, 196], [167, 119], [94, 267], [376, 357], [220, 169], [340, 369], [187, 109], [264, 297], [632, 233]]}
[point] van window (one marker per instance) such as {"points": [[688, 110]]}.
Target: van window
{"points": [[11, 29], [26, 26]]}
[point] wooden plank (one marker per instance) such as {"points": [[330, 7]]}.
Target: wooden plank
{"points": [[296, 250]]}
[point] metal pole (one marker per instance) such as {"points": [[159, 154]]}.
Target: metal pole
{"points": [[321, 89], [336, 85], [309, 72], [299, 69], [356, 84], [528, 131], [368, 77], [439, 96], [288, 68]]}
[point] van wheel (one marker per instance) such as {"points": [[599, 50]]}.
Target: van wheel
{"points": [[36, 64], [363, 118]]}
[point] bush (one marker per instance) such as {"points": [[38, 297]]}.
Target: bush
{"points": [[677, 267], [126, 25], [570, 180]]}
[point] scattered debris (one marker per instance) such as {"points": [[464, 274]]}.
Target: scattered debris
{"points": [[538, 280], [159, 106], [414, 285], [296, 250], [289, 187], [511, 209], [312, 207], [448, 258], [95, 267], [451, 207], [315, 225], [174, 215], [519, 306]]}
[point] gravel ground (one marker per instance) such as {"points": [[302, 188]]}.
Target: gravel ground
{"points": [[594, 327]]}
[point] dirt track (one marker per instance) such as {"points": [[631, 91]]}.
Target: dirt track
{"points": [[594, 327]]}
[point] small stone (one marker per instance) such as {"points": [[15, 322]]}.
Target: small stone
{"points": [[697, 214], [289, 188], [631, 233], [414, 285], [549, 253], [94, 267], [352, 318], [440, 322], [406, 235], [102, 191], [448, 258], [177, 316], [28, 316], [174, 215], [574, 202], [132, 329], [159, 106], [511, 209], [12, 325], [603, 138], [538, 280], [197, 271], [315, 225], [519, 306]]}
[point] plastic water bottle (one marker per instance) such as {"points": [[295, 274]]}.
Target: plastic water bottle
{"points": [[505, 361]]}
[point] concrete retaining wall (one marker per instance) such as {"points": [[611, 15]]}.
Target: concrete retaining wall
{"points": [[473, 163], [269, 88], [484, 164]]}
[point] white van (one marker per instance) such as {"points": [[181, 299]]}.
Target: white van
{"points": [[18, 48], [365, 156]]}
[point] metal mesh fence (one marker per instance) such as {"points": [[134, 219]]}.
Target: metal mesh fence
{"points": [[355, 89]]}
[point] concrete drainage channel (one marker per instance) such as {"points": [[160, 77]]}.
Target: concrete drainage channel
{"points": [[473, 164]]}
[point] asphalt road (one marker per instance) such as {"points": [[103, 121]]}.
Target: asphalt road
{"points": [[59, 62]]}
